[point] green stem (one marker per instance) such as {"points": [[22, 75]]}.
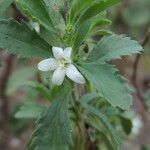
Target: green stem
{"points": [[75, 110]]}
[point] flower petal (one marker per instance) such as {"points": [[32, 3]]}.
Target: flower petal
{"points": [[47, 64], [67, 54], [74, 74], [58, 76], [58, 52]]}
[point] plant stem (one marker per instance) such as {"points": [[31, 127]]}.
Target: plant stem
{"points": [[78, 118], [4, 102], [135, 70], [74, 98]]}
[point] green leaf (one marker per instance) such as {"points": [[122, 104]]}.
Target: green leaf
{"points": [[87, 98], [30, 109], [77, 7], [53, 131], [101, 133], [84, 29], [101, 23], [105, 121], [55, 9], [19, 39], [81, 34], [108, 143], [108, 83], [19, 78], [40, 88], [37, 11], [102, 33], [110, 111], [4, 4], [114, 47], [96, 8], [85, 21], [52, 39]]}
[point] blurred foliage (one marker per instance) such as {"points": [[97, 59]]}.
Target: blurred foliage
{"points": [[133, 16], [18, 126], [19, 78], [137, 14], [144, 148]]}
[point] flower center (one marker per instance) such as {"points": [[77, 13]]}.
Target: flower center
{"points": [[62, 63]]}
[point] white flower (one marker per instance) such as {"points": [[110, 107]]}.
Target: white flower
{"points": [[62, 64]]}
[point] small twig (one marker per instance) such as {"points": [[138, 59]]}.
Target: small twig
{"points": [[90, 145], [4, 104], [6, 73], [3, 84], [138, 56], [135, 70]]}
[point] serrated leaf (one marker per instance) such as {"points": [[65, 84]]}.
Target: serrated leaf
{"points": [[37, 11], [105, 121], [108, 83], [53, 131], [30, 109], [4, 4], [114, 47], [19, 78], [20, 40]]}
